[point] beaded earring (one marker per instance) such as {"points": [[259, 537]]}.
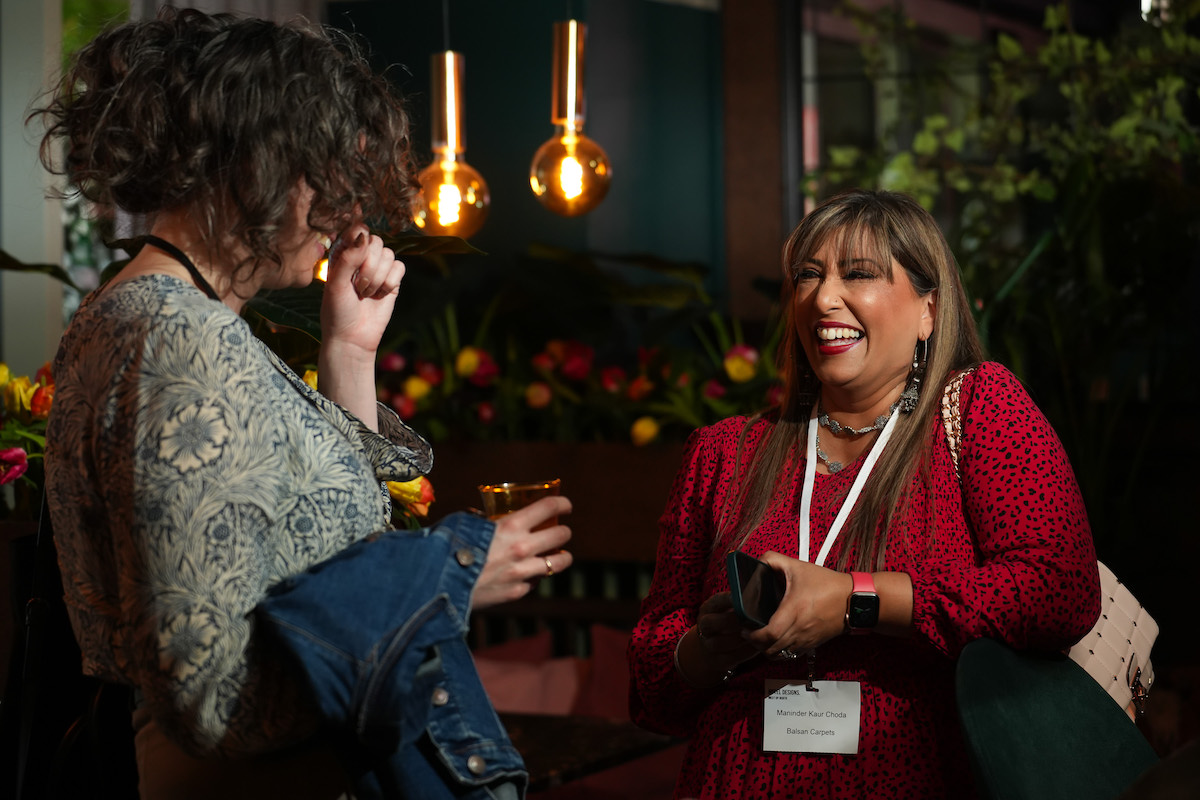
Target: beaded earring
{"points": [[912, 391]]}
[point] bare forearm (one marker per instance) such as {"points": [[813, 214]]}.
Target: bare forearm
{"points": [[347, 377]]}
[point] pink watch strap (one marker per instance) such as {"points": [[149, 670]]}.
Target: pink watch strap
{"points": [[863, 582]]}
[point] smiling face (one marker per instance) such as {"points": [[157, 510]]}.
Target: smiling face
{"points": [[858, 318], [300, 245]]}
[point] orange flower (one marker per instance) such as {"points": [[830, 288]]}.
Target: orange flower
{"points": [[417, 494], [640, 387], [538, 395], [310, 377], [42, 399]]}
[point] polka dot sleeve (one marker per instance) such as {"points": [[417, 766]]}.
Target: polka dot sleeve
{"points": [[1032, 582]]}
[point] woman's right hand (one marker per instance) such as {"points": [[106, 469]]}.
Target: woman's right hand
{"points": [[715, 645], [519, 555]]}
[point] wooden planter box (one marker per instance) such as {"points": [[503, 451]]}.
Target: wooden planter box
{"points": [[618, 492]]}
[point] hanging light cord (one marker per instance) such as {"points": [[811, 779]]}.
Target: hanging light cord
{"points": [[446, 24]]}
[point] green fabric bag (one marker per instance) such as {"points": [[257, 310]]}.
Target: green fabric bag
{"points": [[1038, 726]]}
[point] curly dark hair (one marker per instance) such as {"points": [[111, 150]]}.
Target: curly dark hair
{"points": [[222, 115]]}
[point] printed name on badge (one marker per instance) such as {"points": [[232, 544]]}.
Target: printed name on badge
{"points": [[796, 720]]}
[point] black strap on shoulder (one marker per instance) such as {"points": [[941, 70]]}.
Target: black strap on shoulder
{"points": [[181, 257]]}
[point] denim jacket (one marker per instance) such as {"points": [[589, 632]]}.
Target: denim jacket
{"points": [[379, 633]]}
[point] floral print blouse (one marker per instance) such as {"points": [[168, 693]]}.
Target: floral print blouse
{"points": [[189, 470]]}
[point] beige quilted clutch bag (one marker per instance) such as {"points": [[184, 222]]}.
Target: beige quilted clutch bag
{"points": [[1116, 652]]}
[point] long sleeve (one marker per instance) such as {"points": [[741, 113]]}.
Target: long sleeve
{"points": [[191, 474], [1033, 581], [685, 575]]}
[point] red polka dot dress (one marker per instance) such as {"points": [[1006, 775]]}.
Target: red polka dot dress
{"points": [[1007, 554]]}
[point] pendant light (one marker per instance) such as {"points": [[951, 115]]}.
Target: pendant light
{"points": [[454, 197], [570, 173]]}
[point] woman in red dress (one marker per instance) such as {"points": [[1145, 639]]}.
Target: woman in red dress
{"points": [[851, 493]]}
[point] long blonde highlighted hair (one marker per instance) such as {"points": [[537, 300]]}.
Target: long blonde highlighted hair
{"points": [[892, 227]]}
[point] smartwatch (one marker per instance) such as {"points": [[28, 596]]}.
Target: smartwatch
{"points": [[862, 611]]}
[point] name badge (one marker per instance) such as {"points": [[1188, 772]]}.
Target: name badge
{"points": [[796, 720]]}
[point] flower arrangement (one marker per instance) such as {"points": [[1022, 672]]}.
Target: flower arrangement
{"points": [[564, 392], [567, 347], [550, 346], [23, 415]]}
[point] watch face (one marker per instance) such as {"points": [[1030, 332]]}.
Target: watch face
{"points": [[863, 611]]}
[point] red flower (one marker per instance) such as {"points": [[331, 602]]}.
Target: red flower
{"points": [[486, 412], [486, 370], [646, 355], [714, 389], [39, 406], [392, 362], [775, 395], [543, 362], [431, 372], [612, 379], [13, 463], [44, 376], [640, 387], [405, 406]]}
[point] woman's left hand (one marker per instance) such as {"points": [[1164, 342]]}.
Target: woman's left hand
{"points": [[813, 609], [360, 291]]}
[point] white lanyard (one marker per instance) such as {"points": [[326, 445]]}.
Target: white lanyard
{"points": [[810, 479]]}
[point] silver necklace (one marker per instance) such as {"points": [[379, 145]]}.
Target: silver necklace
{"points": [[836, 427], [832, 466]]}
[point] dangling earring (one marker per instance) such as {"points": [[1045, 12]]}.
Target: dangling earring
{"points": [[912, 391], [806, 396]]}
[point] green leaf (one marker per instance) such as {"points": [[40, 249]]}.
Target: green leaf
{"points": [[12, 264], [1008, 48], [1124, 128], [925, 143], [844, 157], [422, 245]]}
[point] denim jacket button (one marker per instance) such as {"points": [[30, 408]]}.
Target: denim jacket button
{"points": [[476, 765], [464, 556], [440, 696]]}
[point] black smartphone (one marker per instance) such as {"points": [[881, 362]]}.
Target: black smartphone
{"points": [[756, 588]]}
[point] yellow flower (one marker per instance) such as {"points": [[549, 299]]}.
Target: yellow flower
{"points": [[310, 377], [467, 362], [5, 375], [18, 394], [417, 494], [741, 362], [416, 387], [644, 430]]}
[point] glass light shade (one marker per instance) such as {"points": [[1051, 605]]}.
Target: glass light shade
{"points": [[454, 196], [570, 174], [454, 199]]}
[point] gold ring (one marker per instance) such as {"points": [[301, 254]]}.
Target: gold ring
{"points": [[549, 568]]}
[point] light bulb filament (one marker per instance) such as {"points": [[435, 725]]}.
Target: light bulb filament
{"points": [[449, 200], [570, 178]]}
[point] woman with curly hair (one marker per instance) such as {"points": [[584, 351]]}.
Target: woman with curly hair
{"points": [[222, 528]]}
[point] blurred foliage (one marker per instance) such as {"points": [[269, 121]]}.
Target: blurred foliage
{"points": [[1067, 187], [550, 345]]}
